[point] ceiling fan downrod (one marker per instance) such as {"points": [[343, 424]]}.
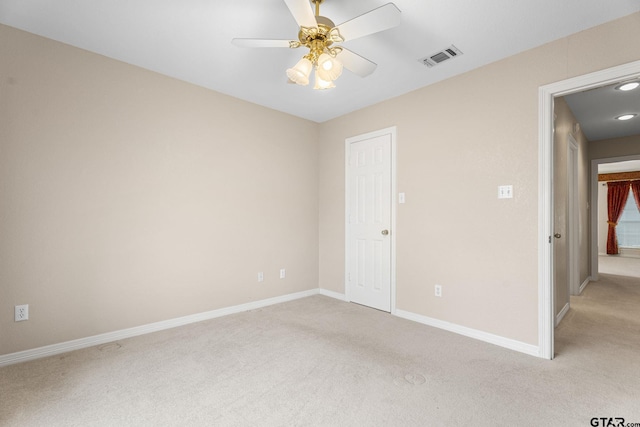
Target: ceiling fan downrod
{"points": [[317, 3]]}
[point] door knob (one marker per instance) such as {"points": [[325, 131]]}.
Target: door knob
{"points": [[557, 235], [385, 232]]}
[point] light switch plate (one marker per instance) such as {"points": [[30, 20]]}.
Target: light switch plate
{"points": [[505, 192]]}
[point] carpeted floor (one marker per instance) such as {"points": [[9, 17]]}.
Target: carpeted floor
{"points": [[322, 362]]}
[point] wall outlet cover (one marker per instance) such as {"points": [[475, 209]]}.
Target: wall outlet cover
{"points": [[22, 312]]}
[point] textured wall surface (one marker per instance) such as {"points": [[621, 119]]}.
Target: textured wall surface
{"points": [[127, 197], [458, 140]]}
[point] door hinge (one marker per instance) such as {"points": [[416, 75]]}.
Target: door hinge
{"points": [[549, 239]]}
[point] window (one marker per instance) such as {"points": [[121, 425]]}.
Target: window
{"points": [[628, 229]]}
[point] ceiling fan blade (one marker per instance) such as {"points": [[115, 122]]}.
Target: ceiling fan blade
{"points": [[302, 12], [356, 63], [261, 43], [376, 20]]}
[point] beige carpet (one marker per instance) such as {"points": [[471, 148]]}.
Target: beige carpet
{"points": [[321, 362]]}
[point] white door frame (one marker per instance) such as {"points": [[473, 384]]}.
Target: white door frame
{"points": [[392, 131], [545, 187]]}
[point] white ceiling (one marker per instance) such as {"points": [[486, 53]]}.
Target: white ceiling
{"points": [[191, 40], [596, 111]]}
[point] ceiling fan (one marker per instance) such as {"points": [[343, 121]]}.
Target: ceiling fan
{"points": [[321, 36]]}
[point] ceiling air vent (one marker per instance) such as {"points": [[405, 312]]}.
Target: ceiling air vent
{"points": [[439, 57]]}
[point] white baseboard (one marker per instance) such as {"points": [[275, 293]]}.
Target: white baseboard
{"points": [[584, 285], [63, 347], [629, 253], [529, 349], [560, 315], [51, 350], [332, 294]]}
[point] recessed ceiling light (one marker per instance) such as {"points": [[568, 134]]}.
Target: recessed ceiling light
{"points": [[628, 86], [626, 117]]}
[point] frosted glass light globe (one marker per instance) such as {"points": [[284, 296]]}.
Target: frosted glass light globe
{"points": [[329, 68], [300, 73]]}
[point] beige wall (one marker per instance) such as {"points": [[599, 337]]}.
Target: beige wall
{"points": [[127, 197], [458, 140], [617, 147], [139, 198]]}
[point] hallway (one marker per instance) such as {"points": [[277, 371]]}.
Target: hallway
{"points": [[619, 265], [603, 322]]}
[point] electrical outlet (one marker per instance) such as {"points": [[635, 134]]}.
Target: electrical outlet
{"points": [[438, 290], [261, 277], [22, 312], [282, 273]]}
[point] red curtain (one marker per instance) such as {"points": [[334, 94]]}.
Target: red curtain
{"points": [[617, 194], [635, 186]]}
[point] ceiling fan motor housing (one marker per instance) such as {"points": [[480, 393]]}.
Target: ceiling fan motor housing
{"points": [[317, 39], [324, 26]]}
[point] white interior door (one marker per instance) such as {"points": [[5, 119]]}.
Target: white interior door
{"points": [[560, 248], [369, 212], [573, 218]]}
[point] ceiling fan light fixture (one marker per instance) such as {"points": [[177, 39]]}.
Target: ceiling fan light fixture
{"points": [[322, 37], [329, 68], [300, 73], [321, 83]]}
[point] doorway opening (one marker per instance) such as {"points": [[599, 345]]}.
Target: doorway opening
{"points": [[621, 267], [547, 94]]}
